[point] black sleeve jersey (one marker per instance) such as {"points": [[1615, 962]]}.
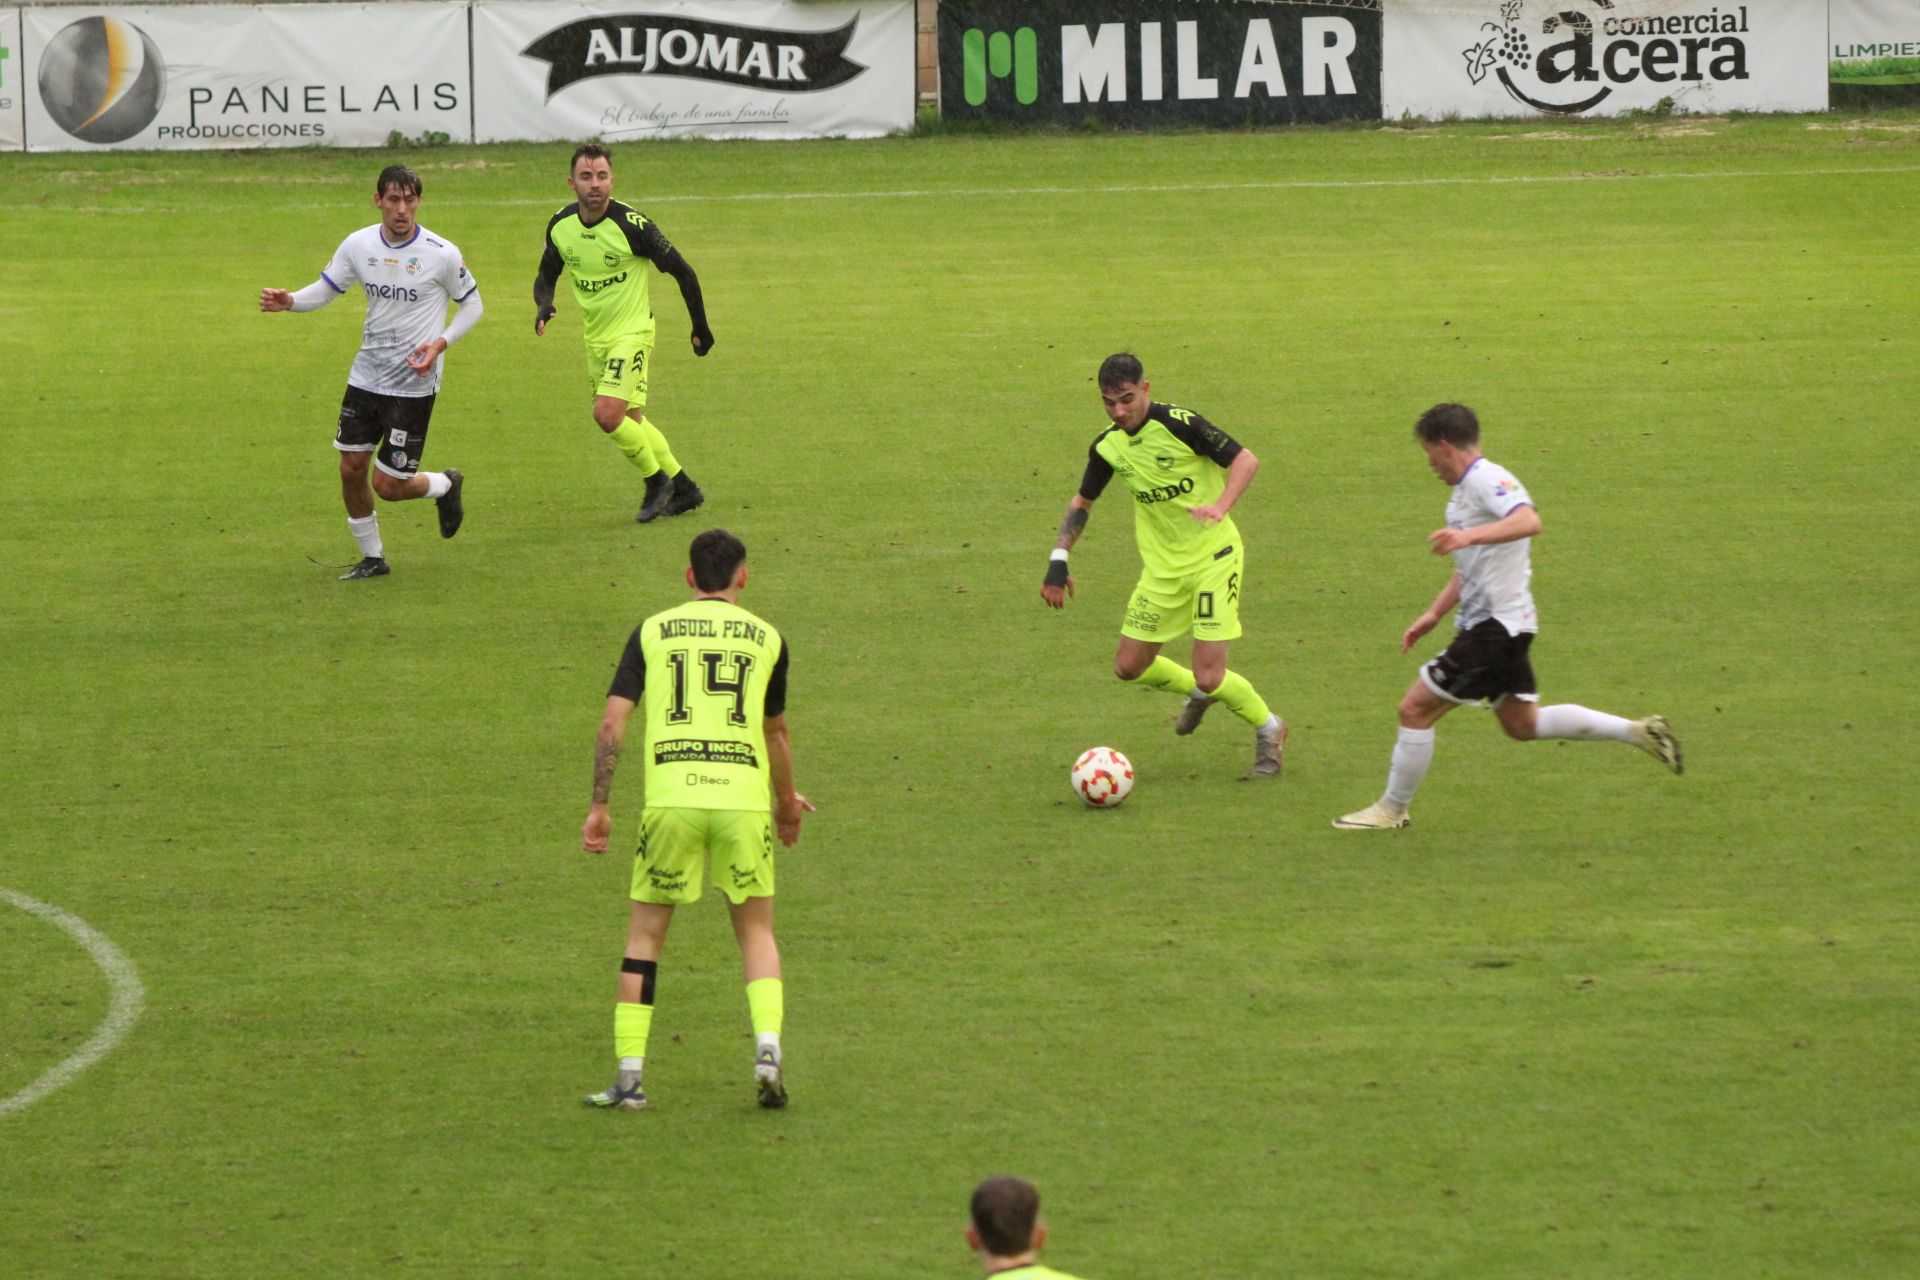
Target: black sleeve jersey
{"points": [[644, 236], [630, 677], [776, 703], [550, 261], [1094, 481], [1195, 432]]}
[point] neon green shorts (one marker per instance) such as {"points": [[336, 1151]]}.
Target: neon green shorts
{"points": [[1206, 602], [619, 368], [676, 846]]}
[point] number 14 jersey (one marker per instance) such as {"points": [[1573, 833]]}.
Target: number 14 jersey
{"points": [[712, 673]]}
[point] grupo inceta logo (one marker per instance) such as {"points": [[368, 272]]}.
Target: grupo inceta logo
{"points": [[1581, 61], [638, 44], [1000, 55], [102, 79]]}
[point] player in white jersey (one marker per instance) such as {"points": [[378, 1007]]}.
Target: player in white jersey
{"points": [[408, 275], [1490, 520]]}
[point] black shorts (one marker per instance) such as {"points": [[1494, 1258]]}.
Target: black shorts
{"points": [[392, 428], [1483, 661]]}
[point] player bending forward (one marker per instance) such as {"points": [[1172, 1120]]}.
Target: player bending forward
{"points": [[605, 247], [1490, 519], [719, 780], [1185, 475], [409, 275]]}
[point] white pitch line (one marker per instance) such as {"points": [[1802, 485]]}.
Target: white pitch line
{"points": [[1140, 189], [127, 998]]}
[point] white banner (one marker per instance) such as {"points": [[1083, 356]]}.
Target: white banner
{"points": [[1581, 58], [680, 68], [196, 76], [13, 120], [1876, 42]]}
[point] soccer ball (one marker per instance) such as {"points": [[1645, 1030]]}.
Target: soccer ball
{"points": [[1102, 777]]}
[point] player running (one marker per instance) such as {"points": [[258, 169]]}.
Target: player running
{"points": [[1185, 474], [408, 275], [719, 783], [604, 246], [1490, 521]]}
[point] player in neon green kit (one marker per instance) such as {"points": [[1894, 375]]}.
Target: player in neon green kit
{"points": [[605, 247], [719, 771], [1185, 475], [1007, 1232]]}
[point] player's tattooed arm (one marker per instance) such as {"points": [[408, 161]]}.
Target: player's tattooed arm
{"points": [[606, 758], [1073, 523], [1058, 584]]}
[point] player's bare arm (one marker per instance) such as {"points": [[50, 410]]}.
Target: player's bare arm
{"points": [[1442, 605], [1239, 476], [606, 758], [1058, 584], [789, 806], [1522, 522]]}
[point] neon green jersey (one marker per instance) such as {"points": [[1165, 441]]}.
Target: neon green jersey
{"points": [[1174, 461], [711, 673], [1032, 1271], [607, 263]]}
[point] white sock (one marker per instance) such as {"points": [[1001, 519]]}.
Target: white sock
{"points": [[1271, 727], [366, 532], [1570, 721], [767, 1040], [632, 1064], [1199, 695], [437, 483], [1412, 753]]}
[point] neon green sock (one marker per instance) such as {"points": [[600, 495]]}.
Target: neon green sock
{"points": [[1237, 696], [661, 452], [766, 1002], [631, 438], [631, 1022], [1166, 675]]}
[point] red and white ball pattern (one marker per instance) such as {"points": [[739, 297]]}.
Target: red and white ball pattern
{"points": [[1102, 777]]}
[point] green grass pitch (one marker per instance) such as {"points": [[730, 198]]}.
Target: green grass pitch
{"points": [[1584, 1019]]}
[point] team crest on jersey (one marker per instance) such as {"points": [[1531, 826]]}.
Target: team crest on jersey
{"points": [[413, 265], [611, 259], [1163, 460]]}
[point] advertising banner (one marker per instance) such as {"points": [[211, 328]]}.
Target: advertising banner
{"points": [[1148, 63], [201, 76], [13, 120], [692, 68], [1876, 53], [1582, 58]]}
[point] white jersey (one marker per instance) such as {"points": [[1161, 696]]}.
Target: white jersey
{"points": [[408, 287], [1493, 580]]}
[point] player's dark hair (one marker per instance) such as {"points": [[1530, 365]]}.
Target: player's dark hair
{"points": [[592, 151], [714, 556], [396, 175], [1453, 423], [1006, 1209], [1118, 369]]}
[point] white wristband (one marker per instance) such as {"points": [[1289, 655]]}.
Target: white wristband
{"points": [[1060, 554]]}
